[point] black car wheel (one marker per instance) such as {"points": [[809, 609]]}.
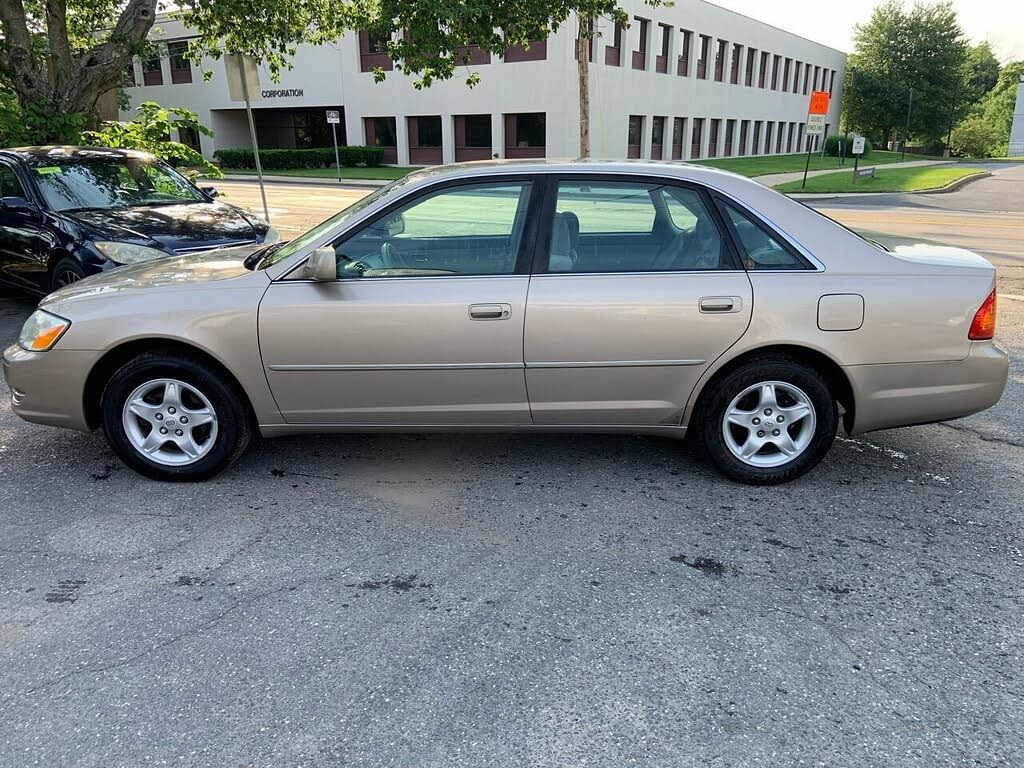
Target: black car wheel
{"points": [[768, 421], [65, 272], [173, 417]]}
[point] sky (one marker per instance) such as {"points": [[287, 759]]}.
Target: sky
{"points": [[1001, 22]]}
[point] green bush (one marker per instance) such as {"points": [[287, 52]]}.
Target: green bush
{"points": [[281, 159], [976, 136], [832, 144]]}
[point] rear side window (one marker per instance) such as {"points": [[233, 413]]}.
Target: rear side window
{"points": [[9, 184], [609, 226], [759, 250]]}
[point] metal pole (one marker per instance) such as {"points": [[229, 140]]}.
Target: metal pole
{"points": [[807, 165], [252, 134], [337, 162], [906, 131]]}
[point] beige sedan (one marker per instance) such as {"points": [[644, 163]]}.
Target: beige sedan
{"points": [[603, 297]]}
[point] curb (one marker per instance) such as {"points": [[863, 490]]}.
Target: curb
{"points": [[308, 180], [953, 186]]}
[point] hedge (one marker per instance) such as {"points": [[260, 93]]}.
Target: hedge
{"points": [[832, 144], [280, 159]]}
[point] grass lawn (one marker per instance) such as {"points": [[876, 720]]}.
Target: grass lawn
{"points": [[884, 180], [761, 166], [385, 172]]}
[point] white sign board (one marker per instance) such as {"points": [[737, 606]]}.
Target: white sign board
{"points": [[237, 68], [815, 125], [858, 145], [333, 116]]}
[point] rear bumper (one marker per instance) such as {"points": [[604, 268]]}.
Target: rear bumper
{"points": [[48, 387], [901, 394]]}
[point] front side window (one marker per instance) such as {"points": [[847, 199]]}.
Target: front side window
{"points": [[111, 183], [10, 186], [473, 229], [633, 227], [760, 251]]}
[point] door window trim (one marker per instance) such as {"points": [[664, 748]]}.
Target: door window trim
{"points": [[526, 241], [545, 229]]}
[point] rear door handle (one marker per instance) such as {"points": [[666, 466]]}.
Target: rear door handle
{"points": [[490, 311], [721, 304]]}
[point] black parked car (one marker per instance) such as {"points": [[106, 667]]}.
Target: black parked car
{"points": [[69, 212]]}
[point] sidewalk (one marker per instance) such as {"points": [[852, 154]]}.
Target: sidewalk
{"points": [[772, 179], [308, 180]]}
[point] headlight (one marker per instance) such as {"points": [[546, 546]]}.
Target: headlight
{"points": [[129, 253], [42, 330], [272, 236]]}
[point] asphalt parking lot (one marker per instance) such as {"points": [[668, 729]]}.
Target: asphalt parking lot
{"points": [[528, 600]]}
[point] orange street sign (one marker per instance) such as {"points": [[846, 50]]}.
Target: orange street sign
{"points": [[819, 103]]}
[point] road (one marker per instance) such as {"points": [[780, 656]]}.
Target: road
{"points": [[525, 600]]}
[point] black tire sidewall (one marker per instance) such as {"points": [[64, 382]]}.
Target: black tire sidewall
{"points": [[806, 379], [232, 419], [62, 265]]}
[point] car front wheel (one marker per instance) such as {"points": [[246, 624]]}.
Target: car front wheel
{"points": [[769, 421], [173, 417]]}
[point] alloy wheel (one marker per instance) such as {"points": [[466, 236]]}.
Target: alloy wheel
{"points": [[769, 424], [170, 422]]}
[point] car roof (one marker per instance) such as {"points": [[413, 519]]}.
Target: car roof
{"points": [[56, 152]]}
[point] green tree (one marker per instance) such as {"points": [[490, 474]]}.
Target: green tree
{"points": [[981, 72], [975, 136], [902, 55]]}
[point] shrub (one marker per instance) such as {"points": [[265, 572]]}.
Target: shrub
{"points": [[976, 136], [280, 159], [832, 144]]}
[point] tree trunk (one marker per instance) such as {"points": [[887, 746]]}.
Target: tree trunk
{"points": [[583, 72]]}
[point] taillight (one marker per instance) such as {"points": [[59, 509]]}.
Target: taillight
{"points": [[983, 326]]}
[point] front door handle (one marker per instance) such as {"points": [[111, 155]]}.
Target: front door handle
{"points": [[721, 304], [490, 311]]}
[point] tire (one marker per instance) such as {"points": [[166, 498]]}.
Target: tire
{"points": [[179, 394], [742, 393], [65, 272]]}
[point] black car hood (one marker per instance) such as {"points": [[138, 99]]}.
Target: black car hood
{"points": [[186, 227]]}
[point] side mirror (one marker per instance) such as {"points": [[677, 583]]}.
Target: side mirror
{"points": [[210, 192], [322, 265], [17, 205]]}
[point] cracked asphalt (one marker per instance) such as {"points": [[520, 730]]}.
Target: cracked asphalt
{"points": [[519, 600]]}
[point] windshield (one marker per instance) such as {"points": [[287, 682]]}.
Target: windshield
{"points": [[283, 251], [104, 183]]}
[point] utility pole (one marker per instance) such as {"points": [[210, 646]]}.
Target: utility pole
{"points": [[906, 131]]}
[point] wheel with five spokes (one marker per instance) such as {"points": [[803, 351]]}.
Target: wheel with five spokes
{"points": [[174, 417], [64, 273], [768, 421]]}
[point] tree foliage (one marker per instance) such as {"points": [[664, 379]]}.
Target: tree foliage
{"points": [[898, 51], [151, 132], [985, 132]]}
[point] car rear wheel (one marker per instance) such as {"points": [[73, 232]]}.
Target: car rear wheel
{"points": [[173, 417], [65, 272], [768, 421]]}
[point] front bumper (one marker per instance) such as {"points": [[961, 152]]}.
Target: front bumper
{"points": [[901, 394], [49, 387]]}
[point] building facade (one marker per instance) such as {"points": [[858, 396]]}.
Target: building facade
{"points": [[688, 81]]}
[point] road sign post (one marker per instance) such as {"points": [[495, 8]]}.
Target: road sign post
{"points": [[816, 111], [243, 81], [857, 150], [334, 117]]}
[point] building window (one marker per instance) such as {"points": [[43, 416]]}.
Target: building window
{"points": [[683, 64], [697, 137], [800, 137], [702, 60], [373, 51], [807, 77], [678, 134], [831, 80], [471, 55], [128, 77], [776, 64], [734, 67], [381, 132], [778, 139], [789, 138], [613, 52], [720, 51], [755, 141], [741, 150], [768, 137], [536, 51], [817, 74], [278, 128], [796, 77], [635, 135], [763, 72], [525, 134], [640, 54], [424, 139], [748, 78], [785, 74], [189, 136], [661, 60], [152, 70], [713, 137], [657, 136], [472, 137], [730, 134], [181, 67]]}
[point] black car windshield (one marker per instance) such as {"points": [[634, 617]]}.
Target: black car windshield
{"points": [[111, 182]]}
